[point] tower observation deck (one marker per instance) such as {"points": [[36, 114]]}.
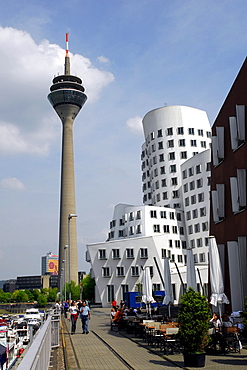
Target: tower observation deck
{"points": [[67, 98]]}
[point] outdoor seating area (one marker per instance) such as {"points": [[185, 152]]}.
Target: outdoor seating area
{"points": [[154, 332]]}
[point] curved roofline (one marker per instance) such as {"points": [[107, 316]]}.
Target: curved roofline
{"points": [[174, 105]]}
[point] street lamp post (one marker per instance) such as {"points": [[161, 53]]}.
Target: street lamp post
{"points": [[65, 271], [70, 216], [61, 284]]}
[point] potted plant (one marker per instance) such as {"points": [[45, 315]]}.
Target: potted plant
{"points": [[193, 322]]}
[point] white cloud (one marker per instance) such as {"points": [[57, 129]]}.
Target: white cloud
{"points": [[103, 59], [28, 124], [12, 183], [135, 125]]}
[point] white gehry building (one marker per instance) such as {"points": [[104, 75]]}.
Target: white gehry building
{"points": [[177, 142]]}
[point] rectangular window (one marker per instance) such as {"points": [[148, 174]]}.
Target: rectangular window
{"points": [[180, 130], [120, 271], [190, 229], [138, 215], [186, 188], [203, 144], [202, 257], [110, 293], [138, 229], [166, 229], [160, 145], [205, 226], [191, 171], [179, 217], [143, 253], [170, 131], [174, 181], [134, 270], [201, 197], [200, 132], [177, 243], [198, 168], [187, 202], [197, 228], [181, 142], [106, 272], [199, 242], [115, 253], [131, 230], [202, 211], [153, 214], [181, 230], [163, 183], [199, 183], [175, 194], [195, 213], [102, 254], [156, 287], [173, 168], [172, 215], [163, 253], [171, 156], [170, 243], [174, 229], [170, 143], [193, 199], [129, 253], [183, 155], [184, 174], [165, 195], [162, 170], [161, 156], [193, 143], [160, 134], [191, 131], [188, 215], [156, 228], [162, 214], [192, 185], [180, 258]]}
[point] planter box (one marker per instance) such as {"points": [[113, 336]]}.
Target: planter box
{"points": [[194, 359]]}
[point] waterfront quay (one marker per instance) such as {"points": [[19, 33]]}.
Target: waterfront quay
{"points": [[107, 349]]}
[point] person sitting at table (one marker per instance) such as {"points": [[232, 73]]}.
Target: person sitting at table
{"points": [[131, 312], [226, 322], [118, 318], [215, 322], [113, 313]]}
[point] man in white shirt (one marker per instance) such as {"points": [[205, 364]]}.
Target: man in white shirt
{"points": [[84, 316]]}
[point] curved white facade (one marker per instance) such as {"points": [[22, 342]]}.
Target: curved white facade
{"points": [[172, 135], [175, 215]]}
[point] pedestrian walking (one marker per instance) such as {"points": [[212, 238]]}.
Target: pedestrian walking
{"points": [[73, 310], [85, 317]]}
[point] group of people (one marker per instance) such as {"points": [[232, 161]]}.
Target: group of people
{"points": [[74, 309]]}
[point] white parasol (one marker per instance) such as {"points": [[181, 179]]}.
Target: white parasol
{"points": [[218, 296]]}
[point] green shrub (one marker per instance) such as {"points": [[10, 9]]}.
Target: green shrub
{"points": [[193, 321]]}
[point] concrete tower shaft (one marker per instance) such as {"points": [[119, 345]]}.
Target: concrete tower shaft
{"points": [[67, 98]]}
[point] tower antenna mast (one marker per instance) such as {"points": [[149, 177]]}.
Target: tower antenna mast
{"points": [[67, 59]]}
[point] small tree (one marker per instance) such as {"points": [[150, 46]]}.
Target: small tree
{"points": [[88, 288], [42, 300], [193, 321]]}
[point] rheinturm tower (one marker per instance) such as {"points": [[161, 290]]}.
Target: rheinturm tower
{"points": [[67, 98]]}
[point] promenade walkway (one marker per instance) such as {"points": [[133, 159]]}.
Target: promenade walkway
{"points": [[105, 349]]}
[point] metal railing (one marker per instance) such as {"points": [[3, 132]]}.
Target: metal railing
{"points": [[38, 354]]}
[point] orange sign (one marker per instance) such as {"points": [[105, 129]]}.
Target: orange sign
{"points": [[53, 266]]}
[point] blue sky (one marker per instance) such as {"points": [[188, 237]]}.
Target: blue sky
{"points": [[133, 56]]}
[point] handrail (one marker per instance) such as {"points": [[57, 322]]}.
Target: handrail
{"points": [[38, 355]]}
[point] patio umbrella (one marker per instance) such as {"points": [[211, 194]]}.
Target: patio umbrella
{"points": [[147, 296], [168, 299], [191, 272], [218, 296]]}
